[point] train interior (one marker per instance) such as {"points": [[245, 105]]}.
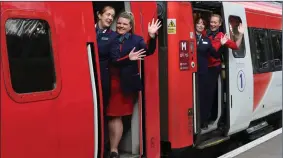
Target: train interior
{"points": [[130, 143], [218, 117]]}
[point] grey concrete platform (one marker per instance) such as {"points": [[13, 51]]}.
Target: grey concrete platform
{"points": [[270, 149]]}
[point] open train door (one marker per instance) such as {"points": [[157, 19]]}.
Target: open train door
{"points": [[143, 139], [240, 73]]}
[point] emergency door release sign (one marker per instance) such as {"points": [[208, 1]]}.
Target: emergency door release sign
{"points": [[184, 55]]}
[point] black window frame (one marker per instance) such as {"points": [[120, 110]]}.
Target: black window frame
{"points": [[268, 56], [274, 67]]}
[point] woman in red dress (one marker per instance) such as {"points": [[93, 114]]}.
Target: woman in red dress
{"points": [[125, 78]]}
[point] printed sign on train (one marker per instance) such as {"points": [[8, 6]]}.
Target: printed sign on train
{"points": [[184, 55], [171, 23]]}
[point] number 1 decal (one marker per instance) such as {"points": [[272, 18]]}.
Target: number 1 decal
{"points": [[241, 81]]}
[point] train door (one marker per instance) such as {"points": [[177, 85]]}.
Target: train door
{"points": [[141, 129], [47, 109], [177, 74], [148, 116], [240, 73]]}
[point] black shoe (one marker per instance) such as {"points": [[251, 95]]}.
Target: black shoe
{"points": [[204, 126], [114, 155]]}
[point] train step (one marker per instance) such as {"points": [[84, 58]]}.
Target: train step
{"points": [[127, 155], [212, 142]]}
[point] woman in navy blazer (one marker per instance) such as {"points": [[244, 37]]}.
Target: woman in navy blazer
{"points": [[204, 50], [125, 77], [109, 48], [109, 51]]}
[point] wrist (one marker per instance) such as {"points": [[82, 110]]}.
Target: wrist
{"points": [[152, 35]]}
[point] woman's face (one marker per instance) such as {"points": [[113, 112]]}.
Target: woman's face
{"points": [[214, 23], [200, 25], [106, 18], [123, 25]]}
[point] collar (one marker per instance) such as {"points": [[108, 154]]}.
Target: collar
{"points": [[124, 37], [212, 33], [99, 30]]}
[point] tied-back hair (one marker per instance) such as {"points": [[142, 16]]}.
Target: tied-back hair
{"points": [[104, 9], [129, 16]]}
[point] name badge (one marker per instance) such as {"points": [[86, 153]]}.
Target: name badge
{"points": [[104, 38], [204, 42]]}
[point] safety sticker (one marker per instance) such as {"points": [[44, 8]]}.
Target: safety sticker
{"points": [[171, 29]]}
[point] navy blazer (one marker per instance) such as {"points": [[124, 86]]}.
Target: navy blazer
{"points": [[108, 50], [204, 50], [129, 72]]}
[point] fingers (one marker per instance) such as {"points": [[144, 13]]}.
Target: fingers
{"points": [[141, 56], [159, 25], [133, 50], [156, 22], [140, 51]]}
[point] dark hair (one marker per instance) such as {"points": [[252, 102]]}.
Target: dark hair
{"points": [[103, 9], [198, 19]]}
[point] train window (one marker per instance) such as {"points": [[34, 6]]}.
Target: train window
{"points": [[259, 51], [30, 55], [276, 46], [234, 22]]}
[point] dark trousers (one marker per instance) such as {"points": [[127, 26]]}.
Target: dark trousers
{"points": [[202, 93], [208, 97]]}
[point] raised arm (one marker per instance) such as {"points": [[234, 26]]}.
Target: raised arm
{"points": [[150, 46], [240, 36], [231, 44], [225, 40]]}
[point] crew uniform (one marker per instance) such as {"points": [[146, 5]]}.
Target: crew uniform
{"points": [[204, 50], [109, 51], [214, 64], [125, 78]]}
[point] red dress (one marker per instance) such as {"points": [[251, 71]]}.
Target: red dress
{"points": [[119, 103]]}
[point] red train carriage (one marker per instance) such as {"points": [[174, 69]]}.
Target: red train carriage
{"points": [[51, 100]]}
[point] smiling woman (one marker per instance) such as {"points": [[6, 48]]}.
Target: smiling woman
{"points": [[125, 79], [125, 23]]}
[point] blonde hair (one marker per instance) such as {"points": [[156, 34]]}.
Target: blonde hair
{"points": [[129, 16], [218, 16]]}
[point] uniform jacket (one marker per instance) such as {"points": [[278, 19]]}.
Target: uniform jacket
{"points": [[129, 72], [215, 37], [204, 51]]}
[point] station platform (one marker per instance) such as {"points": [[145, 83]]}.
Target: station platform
{"points": [[269, 146], [269, 149]]}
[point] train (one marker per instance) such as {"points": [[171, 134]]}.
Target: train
{"points": [[51, 96]]}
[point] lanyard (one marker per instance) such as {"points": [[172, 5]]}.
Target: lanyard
{"points": [[199, 39]]}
